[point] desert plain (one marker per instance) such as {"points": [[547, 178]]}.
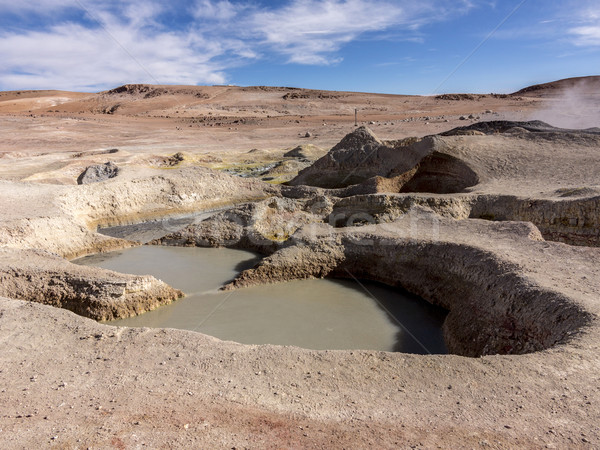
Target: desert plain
{"points": [[486, 205]]}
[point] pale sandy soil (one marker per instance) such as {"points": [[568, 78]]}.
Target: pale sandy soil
{"points": [[40, 142], [69, 382]]}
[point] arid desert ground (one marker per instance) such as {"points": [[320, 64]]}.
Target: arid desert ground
{"points": [[486, 205]]}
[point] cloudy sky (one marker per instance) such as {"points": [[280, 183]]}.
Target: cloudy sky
{"points": [[393, 46]]}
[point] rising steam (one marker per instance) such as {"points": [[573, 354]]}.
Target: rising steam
{"points": [[576, 107]]}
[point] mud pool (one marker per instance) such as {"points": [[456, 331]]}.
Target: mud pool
{"points": [[314, 314]]}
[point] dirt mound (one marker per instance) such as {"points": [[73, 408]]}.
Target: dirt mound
{"points": [[456, 97], [264, 226], [306, 151], [361, 163], [167, 161], [149, 91], [310, 94], [361, 155], [285, 168], [440, 173], [557, 87]]}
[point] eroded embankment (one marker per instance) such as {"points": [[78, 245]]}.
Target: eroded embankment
{"points": [[487, 274], [496, 304], [42, 277], [59, 222], [574, 221]]}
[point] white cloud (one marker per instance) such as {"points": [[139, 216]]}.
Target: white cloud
{"points": [[220, 10], [587, 33], [39, 6], [308, 30], [311, 31], [587, 36], [131, 42], [72, 56]]}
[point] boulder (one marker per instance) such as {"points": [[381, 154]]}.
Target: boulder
{"points": [[98, 172]]}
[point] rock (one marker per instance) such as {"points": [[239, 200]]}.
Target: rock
{"points": [[308, 134], [43, 277], [286, 167], [263, 226], [97, 173], [502, 126], [455, 97], [360, 156]]}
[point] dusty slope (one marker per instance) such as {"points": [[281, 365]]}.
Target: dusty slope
{"points": [[104, 387], [70, 382], [52, 136]]}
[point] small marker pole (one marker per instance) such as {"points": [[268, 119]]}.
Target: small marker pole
{"points": [[355, 117]]}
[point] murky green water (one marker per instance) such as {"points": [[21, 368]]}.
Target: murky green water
{"points": [[315, 314]]}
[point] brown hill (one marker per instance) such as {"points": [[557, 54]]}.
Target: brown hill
{"points": [[589, 84]]}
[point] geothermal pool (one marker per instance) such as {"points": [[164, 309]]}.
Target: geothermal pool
{"points": [[313, 314]]}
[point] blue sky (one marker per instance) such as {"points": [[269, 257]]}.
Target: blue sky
{"points": [[401, 47]]}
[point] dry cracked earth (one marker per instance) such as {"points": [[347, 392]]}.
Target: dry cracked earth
{"points": [[464, 200]]}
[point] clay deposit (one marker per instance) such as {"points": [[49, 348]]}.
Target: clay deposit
{"points": [[497, 222]]}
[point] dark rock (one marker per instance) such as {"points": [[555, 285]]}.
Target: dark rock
{"points": [[502, 126], [97, 173]]}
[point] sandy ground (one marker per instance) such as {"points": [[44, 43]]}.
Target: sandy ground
{"points": [[54, 143], [69, 382]]}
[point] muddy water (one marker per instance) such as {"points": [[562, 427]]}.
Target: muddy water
{"points": [[315, 314]]}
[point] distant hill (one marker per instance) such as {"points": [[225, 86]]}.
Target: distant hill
{"points": [[589, 84]]}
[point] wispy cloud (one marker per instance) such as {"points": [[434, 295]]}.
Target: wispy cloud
{"points": [[40, 6], [572, 23], [124, 43], [587, 33], [311, 31], [87, 45], [220, 10]]}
